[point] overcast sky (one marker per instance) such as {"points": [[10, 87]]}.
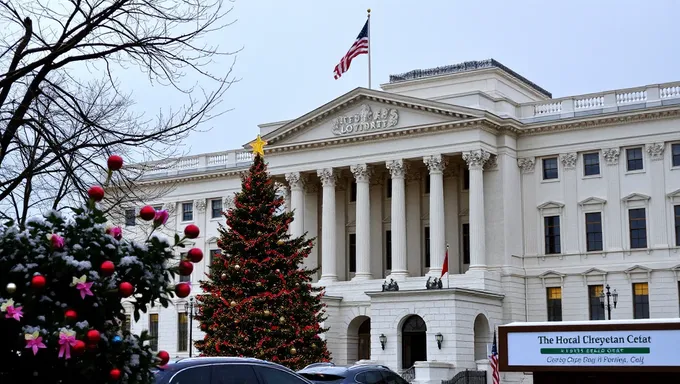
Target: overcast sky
{"points": [[567, 47]]}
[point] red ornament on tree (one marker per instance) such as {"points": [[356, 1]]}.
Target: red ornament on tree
{"points": [[114, 374], [182, 290], [164, 356], [126, 289], [115, 162], [195, 255], [79, 347], [38, 281], [185, 268], [96, 193], [71, 315], [107, 268], [93, 336], [147, 213], [192, 231]]}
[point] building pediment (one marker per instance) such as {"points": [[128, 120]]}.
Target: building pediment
{"points": [[592, 201], [674, 196], [363, 112], [635, 197]]}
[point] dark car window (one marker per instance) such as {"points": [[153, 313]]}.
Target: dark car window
{"points": [[193, 375], [393, 378], [233, 374], [323, 378], [277, 376], [370, 377]]}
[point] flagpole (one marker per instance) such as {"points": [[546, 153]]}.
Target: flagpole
{"points": [[369, 48], [447, 273]]}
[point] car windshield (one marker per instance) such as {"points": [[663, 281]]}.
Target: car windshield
{"points": [[321, 378]]}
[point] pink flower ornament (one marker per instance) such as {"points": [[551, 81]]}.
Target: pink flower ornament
{"points": [[67, 339], [83, 286], [116, 232], [56, 241], [11, 312], [161, 218], [34, 342]]}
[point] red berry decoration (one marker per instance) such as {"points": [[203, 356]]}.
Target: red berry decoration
{"points": [[185, 268], [38, 281], [182, 290], [126, 289], [195, 255], [191, 231], [96, 193], [114, 374], [79, 347], [147, 213], [93, 336], [107, 268], [71, 315], [115, 162], [164, 356]]}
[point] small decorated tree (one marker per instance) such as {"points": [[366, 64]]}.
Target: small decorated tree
{"points": [[62, 281], [258, 302]]}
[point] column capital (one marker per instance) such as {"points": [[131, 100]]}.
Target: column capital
{"points": [[492, 163], [200, 205], [398, 168], [328, 177], [228, 202], [526, 164], [476, 159], [655, 151], [435, 163], [362, 172], [611, 155], [568, 160], [296, 180]]}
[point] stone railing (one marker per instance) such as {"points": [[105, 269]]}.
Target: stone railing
{"points": [[603, 102], [198, 163]]}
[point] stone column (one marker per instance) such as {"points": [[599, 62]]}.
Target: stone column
{"points": [[328, 252], [297, 202], [658, 207], [398, 169], [475, 161], [569, 224], [435, 164], [612, 214], [362, 174]]}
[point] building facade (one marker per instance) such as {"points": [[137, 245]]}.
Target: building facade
{"points": [[539, 203]]}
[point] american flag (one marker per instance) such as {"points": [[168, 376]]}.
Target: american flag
{"points": [[360, 47], [495, 375]]}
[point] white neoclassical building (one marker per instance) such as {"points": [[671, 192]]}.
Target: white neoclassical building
{"points": [[539, 202]]}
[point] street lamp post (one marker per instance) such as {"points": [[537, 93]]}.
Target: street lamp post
{"points": [[189, 307], [610, 297]]}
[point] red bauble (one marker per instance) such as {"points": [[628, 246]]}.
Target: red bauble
{"points": [[96, 193], [71, 315], [107, 268], [182, 289], [114, 374], [93, 336], [115, 162], [192, 231], [185, 268], [147, 213], [195, 255], [79, 347], [38, 281], [126, 289], [164, 356]]}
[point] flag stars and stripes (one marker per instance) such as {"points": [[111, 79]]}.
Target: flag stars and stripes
{"points": [[360, 47], [493, 361]]}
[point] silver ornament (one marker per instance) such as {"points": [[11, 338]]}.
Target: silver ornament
{"points": [[11, 288]]}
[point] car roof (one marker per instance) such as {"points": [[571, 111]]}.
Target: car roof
{"points": [[335, 370], [191, 361]]}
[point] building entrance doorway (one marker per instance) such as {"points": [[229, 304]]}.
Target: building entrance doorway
{"points": [[414, 341], [364, 346]]}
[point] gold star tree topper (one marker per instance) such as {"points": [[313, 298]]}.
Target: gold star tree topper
{"points": [[258, 146]]}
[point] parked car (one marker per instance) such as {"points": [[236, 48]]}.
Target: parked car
{"points": [[226, 370], [328, 373]]}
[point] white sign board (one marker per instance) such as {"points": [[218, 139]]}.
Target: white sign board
{"points": [[655, 348]]}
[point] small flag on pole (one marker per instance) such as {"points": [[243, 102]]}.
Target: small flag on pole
{"points": [[445, 267], [360, 47], [495, 375]]}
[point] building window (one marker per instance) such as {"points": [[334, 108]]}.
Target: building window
{"points": [[427, 184], [675, 155], [552, 235], [216, 207], [591, 164], [550, 168], [426, 238], [213, 254], [353, 192], [676, 209], [388, 250], [554, 304], [640, 301], [130, 217], [126, 323], [187, 211], [637, 223], [634, 159], [388, 189], [153, 331], [594, 231], [596, 307], [466, 243], [466, 179], [352, 252], [184, 279], [158, 207], [182, 332]]}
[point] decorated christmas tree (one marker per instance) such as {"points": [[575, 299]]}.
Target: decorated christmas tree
{"points": [[62, 282], [258, 301]]}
